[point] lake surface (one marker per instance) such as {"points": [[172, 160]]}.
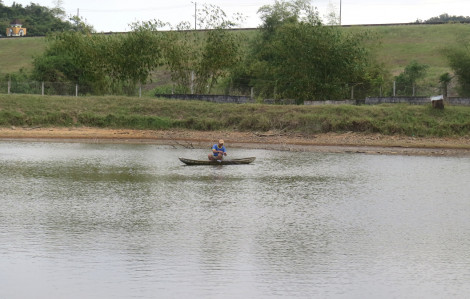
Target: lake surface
{"points": [[131, 221]]}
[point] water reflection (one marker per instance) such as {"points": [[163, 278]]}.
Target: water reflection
{"points": [[130, 221]]}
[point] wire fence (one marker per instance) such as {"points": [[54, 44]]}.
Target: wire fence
{"points": [[58, 89], [152, 89]]}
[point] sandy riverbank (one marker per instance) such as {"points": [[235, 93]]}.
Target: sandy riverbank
{"points": [[331, 142]]}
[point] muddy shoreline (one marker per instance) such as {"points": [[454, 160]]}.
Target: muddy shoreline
{"points": [[331, 142]]}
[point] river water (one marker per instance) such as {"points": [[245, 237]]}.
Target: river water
{"points": [[131, 221]]}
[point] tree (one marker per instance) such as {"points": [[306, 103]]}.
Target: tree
{"points": [[297, 57], [445, 18], [284, 12], [459, 60], [58, 10], [445, 79], [105, 63], [332, 17], [198, 59], [408, 79], [133, 56]]}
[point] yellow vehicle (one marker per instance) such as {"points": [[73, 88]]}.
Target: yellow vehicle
{"points": [[16, 29]]}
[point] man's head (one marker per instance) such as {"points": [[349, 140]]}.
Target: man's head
{"points": [[221, 142]]}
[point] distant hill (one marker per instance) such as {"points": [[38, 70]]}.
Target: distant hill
{"points": [[38, 20]]}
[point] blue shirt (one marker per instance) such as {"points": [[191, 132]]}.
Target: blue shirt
{"points": [[217, 148]]}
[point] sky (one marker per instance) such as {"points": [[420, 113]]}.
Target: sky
{"points": [[117, 15]]}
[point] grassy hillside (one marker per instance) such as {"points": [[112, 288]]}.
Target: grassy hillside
{"points": [[400, 45], [153, 113], [403, 43], [18, 53]]}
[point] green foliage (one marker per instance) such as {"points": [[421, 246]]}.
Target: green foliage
{"points": [[74, 57], [407, 80], [110, 64], [54, 66], [133, 56], [445, 80], [105, 63], [459, 60], [287, 12], [296, 57], [219, 54], [19, 83], [400, 45], [180, 57], [445, 18], [197, 60]]}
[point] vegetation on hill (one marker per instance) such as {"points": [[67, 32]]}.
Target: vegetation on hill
{"points": [[291, 56], [39, 20], [262, 59], [116, 64], [295, 56], [445, 18]]}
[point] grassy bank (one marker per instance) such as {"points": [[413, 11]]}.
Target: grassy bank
{"points": [[151, 113]]}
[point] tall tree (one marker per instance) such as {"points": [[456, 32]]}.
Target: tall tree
{"points": [[58, 9], [297, 57], [106, 63], [408, 79], [459, 60], [198, 59]]}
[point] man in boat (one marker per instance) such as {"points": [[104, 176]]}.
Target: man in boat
{"points": [[218, 151]]}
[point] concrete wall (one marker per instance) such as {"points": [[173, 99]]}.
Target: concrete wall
{"points": [[208, 98], [319, 103], [279, 102], [416, 101], [367, 101], [458, 101], [397, 100]]}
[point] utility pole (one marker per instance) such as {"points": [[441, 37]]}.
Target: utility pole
{"points": [[340, 12], [78, 16], [195, 15]]}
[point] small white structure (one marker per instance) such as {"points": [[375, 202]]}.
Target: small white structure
{"points": [[437, 102], [437, 98]]}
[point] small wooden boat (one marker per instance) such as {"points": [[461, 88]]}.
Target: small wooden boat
{"points": [[215, 162]]}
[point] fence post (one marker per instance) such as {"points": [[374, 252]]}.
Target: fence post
{"points": [[9, 86], [352, 92], [192, 82], [76, 90], [252, 93], [394, 87], [140, 91], [42, 88]]}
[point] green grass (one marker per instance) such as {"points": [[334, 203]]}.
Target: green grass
{"points": [[152, 113], [401, 44], [18, 53]]}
